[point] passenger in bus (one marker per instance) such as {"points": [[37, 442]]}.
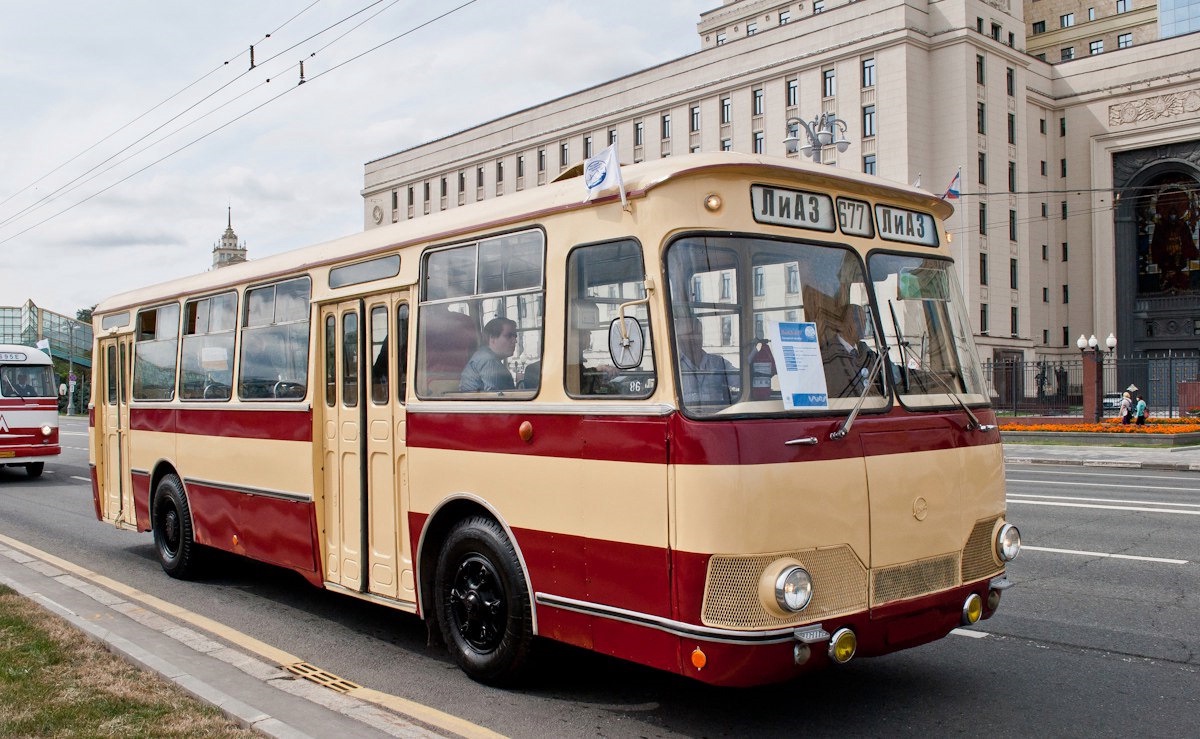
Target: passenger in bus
{"points": [[847, 355], [485, 370], [707, 379]]}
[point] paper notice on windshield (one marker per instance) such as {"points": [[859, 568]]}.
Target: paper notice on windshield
{"points": [[798, 361]]}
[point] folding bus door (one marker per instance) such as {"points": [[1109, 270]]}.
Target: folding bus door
{"points": [[112, 432]]}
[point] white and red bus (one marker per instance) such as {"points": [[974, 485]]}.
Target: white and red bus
{"points": [[734, 430], [28, 409]]}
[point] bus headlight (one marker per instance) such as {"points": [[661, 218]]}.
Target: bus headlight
{"points": [[785, 588], [46, 430], [1008, 543]]}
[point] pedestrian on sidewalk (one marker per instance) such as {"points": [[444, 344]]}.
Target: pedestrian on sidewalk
{"points": [[1140, 411], [1126, 408]]}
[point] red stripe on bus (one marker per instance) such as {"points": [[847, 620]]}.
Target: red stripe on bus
{"points": [[29, 404], [281, 425], [262, 527]]}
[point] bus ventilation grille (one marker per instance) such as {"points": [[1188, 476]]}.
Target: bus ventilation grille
{"points": [[731, 594], [315, 674], [979, 556]]}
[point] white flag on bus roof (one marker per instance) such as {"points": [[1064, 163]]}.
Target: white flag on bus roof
{"points": [[602, 172]]}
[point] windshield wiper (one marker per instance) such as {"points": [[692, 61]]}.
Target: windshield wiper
{"points": [[974, 424], [870, 383]]}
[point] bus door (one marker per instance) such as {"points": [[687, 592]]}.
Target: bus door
{"points": [[112, 421], [366, 353]]}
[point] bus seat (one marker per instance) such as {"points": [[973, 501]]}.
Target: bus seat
{"points": [[448, 339]]}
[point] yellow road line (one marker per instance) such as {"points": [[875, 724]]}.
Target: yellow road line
{"points": [[417, 711]]}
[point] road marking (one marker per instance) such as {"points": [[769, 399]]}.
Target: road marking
{"points": [[1139, 475], [1163, 560], [970, 633], [418, 711], [1139, 509], [1105, 485], [1104, 500], [77, 477]]}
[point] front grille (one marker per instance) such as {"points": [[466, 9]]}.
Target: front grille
{"points": [[979, 559], [731, 593], [914, 579]]}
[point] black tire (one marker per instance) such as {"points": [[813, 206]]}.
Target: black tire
{"points": [[483, 604], [34, 469], [171, 520]]}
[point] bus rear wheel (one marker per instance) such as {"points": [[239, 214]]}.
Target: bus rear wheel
{"points": [[173, 535], [34, 469], [483, 604]]}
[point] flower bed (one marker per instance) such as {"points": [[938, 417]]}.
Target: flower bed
{"points": [[1108, 426]]}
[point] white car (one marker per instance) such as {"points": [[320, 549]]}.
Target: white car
{"points": [[1112, 401]]}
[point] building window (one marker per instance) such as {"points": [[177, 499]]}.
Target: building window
{"points": [[982, 168], [1066, 21], [639, 133], [1013, 322], [726, 110], [784, 17], [541, 160], [818, 6], [1043, 168], [1012, 176], [499, 172], [564, 154], [793, 279], [1096, 47], [983, 318], [1042, 128], [726, 144], [1012, 128], [726, 286], [751, 29], [759, 143], [1124, 40], [695, 125], [587, 147], [520, 167], [983, 271], [1066, 336], [612, 136], [1065, 249], [1045, 252], [666, 125], [1122, 6], [1062, 127], [983, 218], [981, 117], [793, 93], [757, 102], [760, 287], [996, 31], [410, 197], [442, 191], [720, 38], [1039, 27], [1045, 212], [868, 120], [1045, 295], [1066, 54], [1064, 210], [979, 68], [1012, 225], [479, 177], [979, 24], [868, 72], [869, 164], [1062, 165], [1010, 81], [1066, 294], [829, 83], [462, 182]]}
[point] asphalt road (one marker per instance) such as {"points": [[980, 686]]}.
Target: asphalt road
{"points": [[1085, 644]]}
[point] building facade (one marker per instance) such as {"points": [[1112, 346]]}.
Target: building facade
{"points": [[1068, 168], [228, 250]]}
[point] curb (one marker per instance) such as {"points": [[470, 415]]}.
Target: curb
{"points": [[1164, 466]]}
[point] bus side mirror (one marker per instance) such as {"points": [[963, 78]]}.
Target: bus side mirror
{"points": [[625, 342], [62, 388]]}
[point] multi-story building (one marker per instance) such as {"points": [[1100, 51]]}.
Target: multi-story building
{"points": [[1079, 210]]}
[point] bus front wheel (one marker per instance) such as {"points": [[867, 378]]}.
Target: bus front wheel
{"points": [[173, 535], [483, 604], [34, 469]]}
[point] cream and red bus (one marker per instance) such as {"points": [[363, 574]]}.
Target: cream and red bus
{"points": [[735, 429], [28, 409]]}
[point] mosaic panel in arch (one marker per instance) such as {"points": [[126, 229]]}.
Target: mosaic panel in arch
{"points": [[1168, 232]]}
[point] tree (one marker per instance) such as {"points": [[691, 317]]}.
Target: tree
{"points": [[85, 314]]}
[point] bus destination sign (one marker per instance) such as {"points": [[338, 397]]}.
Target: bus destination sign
{"points": [[909, 226], [780, 206], [12, 357]]}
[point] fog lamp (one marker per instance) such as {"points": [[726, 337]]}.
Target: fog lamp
{"points": [[842, 645], [972, 609], [993, 601]]}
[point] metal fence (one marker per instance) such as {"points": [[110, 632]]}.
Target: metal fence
{"points": [[1170, 384]]}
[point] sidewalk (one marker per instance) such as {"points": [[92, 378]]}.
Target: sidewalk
{"points": [[255, 693], [1175, 458]]}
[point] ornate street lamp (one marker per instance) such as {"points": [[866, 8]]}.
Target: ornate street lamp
{"points": [[826, 130], [1090, 344]]}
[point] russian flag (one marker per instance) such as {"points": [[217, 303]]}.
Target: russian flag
{"points": [[952, 192]]}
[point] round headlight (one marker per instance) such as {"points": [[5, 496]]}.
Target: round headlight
{"points": [[793, 589], [46, 431], [1008, 543]]}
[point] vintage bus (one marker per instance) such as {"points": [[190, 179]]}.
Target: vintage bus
{"points": [[28, 409], [735, 429]]}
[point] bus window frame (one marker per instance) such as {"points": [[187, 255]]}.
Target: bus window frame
{"points": [[138, 341], [184, 336]]}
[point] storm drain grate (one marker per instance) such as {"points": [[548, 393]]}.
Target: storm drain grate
{"points": [[321, 677]]}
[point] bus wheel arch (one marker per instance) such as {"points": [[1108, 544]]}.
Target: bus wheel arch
{"points": [[172, 525], [477, 591]]}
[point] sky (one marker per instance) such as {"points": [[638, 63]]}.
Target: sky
{"points": [[127, 128]]}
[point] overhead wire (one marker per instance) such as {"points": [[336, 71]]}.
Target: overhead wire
{"points": [[246, 113]]}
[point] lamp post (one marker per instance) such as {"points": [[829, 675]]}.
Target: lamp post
{"points": [[1090, 344], [825, 130]]}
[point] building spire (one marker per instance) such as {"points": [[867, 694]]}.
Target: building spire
{"points": [[228, 250]]}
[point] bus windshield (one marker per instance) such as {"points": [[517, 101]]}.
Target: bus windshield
{"points": [[745, 308], [26, 381], [926, 330]]}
